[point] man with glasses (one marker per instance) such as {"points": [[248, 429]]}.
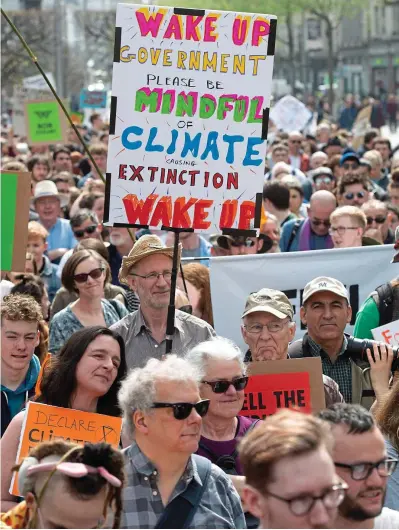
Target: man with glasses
{"points": [[349, 162], [167, 485], [348, 224], [323, 179], [290, 477], [360, 459], [377, 218], [268, 329], [353, 190], [147, 270], [311, 233]]}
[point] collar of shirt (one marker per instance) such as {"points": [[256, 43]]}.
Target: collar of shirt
{"points": [[316, 350], [140, 323]]}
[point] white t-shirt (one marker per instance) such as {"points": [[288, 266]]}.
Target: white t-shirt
{"points": [[388, 519], [5, 288]]}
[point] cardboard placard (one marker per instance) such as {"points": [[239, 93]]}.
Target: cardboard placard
{"points": [[389, 333], [293, 383], [93, 99], [289, 114], [44, 423], [20, 95], [15, 193], [361, 125], [45, 123], [189, 117]]}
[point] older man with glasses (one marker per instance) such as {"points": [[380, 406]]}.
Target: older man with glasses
{"points": [[377, 217], [147, 270], [167, 485], [361, 460], [290, 476]]}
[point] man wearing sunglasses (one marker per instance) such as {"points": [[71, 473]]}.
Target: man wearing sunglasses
{"points": [[167, 485], [323, 179], [361, 461], [349, 163], [353, 190], [290, 477], [377, 218]]}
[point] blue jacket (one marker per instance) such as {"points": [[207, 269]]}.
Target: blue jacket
{"points": [[316, 242], [13, 401], [50, 278]]}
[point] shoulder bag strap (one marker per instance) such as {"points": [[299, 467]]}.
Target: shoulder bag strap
{"points": [[385, 303], [294, 232]]}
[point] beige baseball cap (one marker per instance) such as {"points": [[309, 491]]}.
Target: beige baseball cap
{"points": [[269, 301], [324, 283]]}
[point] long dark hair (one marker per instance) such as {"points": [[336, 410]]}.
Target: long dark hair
{"points": [[59, 380]]}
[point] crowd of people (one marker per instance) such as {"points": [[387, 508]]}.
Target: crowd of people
{"points": [[84, 327]]}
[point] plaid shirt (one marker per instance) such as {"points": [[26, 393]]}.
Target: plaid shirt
{"points": [[340, 371], [220, 506]]}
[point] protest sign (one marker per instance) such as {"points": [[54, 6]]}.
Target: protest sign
{"points": [[93, 99], [77, 117], [44, 423], [15, 192], [292, 383], [233, 278], [20, 95], [37, 82], [388, 333], [189, 117], [45, 123], [289, 114], [360, 127]]}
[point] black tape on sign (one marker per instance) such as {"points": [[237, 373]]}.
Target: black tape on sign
{"points": [[271, 43], [130, 225], [258, 210], [234, 232], [180, 230], [117, 45], [107, 197], [265, 123], [188, 11], [112, 117]]}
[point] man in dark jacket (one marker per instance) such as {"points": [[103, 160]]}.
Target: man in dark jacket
{"points": [[20, 317]]}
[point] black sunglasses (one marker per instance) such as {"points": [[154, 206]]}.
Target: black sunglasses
{"points": [[350, 165], [83, 277], [380, 219], [181, 411], [243, 243], [220, 387], [318, 222], [359, 195], [89, 230]]}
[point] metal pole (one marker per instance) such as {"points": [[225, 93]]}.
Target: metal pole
{"points": [[170, 323], [59, 41]]}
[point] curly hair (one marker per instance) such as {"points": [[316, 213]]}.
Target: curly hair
{"points": [[94, 455], [198, 275], [349, 179], [20, 307]]}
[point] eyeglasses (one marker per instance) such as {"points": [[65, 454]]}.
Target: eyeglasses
{"points": [[350, 165], [154, 276], [380, 219], [362, 471], [83, 277], [89, 230], [318, 222], [272, 327], [181, 411], [340, 230], [331, 498], [243, 243], [359, 195], [220, 387], [323, 180]]}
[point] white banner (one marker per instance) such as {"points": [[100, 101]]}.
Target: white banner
{"points": [[190, 97], [234, 278], [289, 114]]}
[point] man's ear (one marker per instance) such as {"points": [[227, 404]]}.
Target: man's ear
{"points": [[139, 421], [292, 330], [302, 314], [254, 503]]}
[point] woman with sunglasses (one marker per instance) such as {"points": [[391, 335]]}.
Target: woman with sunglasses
{"points": [[223, 383], [85, 375], [86, 273]]}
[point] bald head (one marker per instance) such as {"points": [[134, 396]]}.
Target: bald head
{"points": [[323, 198], [322, 205]]}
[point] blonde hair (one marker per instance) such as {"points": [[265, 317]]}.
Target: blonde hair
{"points": [[35, 229], [351, 211], [374, 157]]}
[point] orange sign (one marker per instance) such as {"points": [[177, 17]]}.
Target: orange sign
{"points": [[293, 383], [44, 423]]}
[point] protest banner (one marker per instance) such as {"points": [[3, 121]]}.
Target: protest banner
{"points": [[360, 127], [292, 383], [289, 114], [45, 123], [15, 192], [233, 278], [45, 423], [190, 91], [93, 99], [37, 82], [389, 333], [20, 95]]}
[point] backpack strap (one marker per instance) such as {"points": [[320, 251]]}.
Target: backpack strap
{"points": [[180, 512], [385, 303], [294, 232]]}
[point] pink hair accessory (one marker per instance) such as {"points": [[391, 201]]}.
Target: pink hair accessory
{"points": [[75, 470]]}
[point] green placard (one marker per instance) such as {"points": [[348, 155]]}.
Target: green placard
{"points": [[44, 122], [9, 187]]}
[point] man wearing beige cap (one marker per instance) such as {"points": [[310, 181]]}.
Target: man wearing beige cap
{"points": [[268, 329], [147, 270], [326, 311]]}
